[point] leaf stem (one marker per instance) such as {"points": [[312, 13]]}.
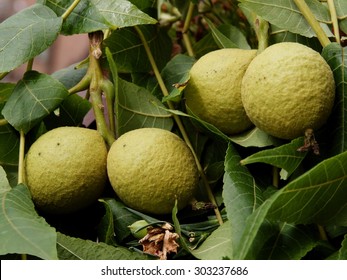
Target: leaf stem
{"points": [[322, 232], [3, 75], [3, 122], [179, 124], [186, 25], [308, 15], [70, 9], [82, 84], [30, 64], [21, 158], [109, 91], [334, 19]]}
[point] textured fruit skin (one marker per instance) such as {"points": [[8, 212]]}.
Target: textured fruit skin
{"points": [[149, 168], [66, 169], [213, 92], [288, 88]]}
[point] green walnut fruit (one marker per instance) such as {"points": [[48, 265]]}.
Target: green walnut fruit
{"points": [[149, 168], [287, 89], [66, 169], [213, 92], [139, 229]]}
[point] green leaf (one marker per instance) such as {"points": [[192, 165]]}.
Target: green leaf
{"points": [[221, 40], [235, 35], [5, 92], [79, 21], [334, 54], [341, 11], [285, 156], [254, 138], [286, 15], [12, 174], [34, 98], [318, 196], [138, 108], [22, 231], [71, 112], [254, 226], [122, 13], [27, 34], [203, 125], [240, 194], [235, 39], [205, 45], [121, 218], [9, 146], [70, 248], [279, 35], [176, 74], [70, 75], [128, 51], [227, 32], [144, 4], [106, 226], [177, 226], [9, 138], [4, 184], [290, 242], [105, 14], [217, 246], [315, 197], [342, 254], [74, 108]]}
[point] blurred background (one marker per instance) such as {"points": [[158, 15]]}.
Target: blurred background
{"points": [[65, 51]]}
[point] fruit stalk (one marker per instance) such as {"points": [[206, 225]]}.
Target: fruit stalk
{"points": [[306, 12], [95, 88], [70, 9], [334, 19], [21, 177], [185, 30], [262, 31], [179, 124]]}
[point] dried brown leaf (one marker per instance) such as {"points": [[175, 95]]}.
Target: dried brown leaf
{"points": [[160, 241]]}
